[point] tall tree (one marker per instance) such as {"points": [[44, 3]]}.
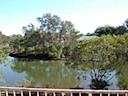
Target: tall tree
{"points": [[105, 30], [121, 30], [69, 36], [50, 24], [31, 38]]}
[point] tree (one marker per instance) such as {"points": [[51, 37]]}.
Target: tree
{"points": [[17, 43], [120, 30], [69, 36], [4, 41], [126, 23], [102, 55], [105, 30], [50, 24], [53, 38], [31, 39]]}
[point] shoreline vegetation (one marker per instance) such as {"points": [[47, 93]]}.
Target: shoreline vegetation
{"points": [[52, 39]]}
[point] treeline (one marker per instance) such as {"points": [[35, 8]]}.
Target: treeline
{"points": [[107, 29], [53, 38]]}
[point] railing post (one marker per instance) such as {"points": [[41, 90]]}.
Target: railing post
{"points": [[71, 94], [29, 93], [45, 93], [54, 94], [90, 94], [21, 93], [108, 94], [79, 94], [14, 93], [6, 92], [37, 93], [62, 93], [117, 94], [126, 94], [100, 94]]}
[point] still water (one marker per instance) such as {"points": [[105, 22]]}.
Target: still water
{"points": [[49, 74]]}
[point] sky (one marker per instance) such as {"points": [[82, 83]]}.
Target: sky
{"points": [[86, 15]]}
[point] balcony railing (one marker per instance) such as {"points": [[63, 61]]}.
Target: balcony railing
{"points": [[21, 91]]}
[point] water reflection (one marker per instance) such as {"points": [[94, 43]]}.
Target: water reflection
{"points": [[48, 74], [98, 79], [59, 74], [123, 76]]}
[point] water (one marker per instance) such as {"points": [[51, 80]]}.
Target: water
{"points": [[49, 74]]}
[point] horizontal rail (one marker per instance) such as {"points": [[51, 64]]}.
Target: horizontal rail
{"points": [[62, 91]]}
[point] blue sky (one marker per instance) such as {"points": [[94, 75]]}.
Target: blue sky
{"points": [[86, 15]]}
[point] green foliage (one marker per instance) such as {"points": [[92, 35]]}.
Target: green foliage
{"points": [[2, 56], [4, 42], [105, 30], [108, 52], [96, 50], [53, 38], [109, 30], [104, 50], [2, 60], [123, 77], [17, 43]]}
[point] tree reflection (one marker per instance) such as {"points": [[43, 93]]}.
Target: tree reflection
{"points": [[123, 76], [2, 61], [97, 79], [50, 74], [100, 79]]}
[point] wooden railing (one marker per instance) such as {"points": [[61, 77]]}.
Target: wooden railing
{"points": [[20, 91]]}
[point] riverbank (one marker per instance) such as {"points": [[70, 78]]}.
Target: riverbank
{"points": [[36, 56]]}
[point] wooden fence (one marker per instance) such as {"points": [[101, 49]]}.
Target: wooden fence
{"points": [[21, 91]]}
